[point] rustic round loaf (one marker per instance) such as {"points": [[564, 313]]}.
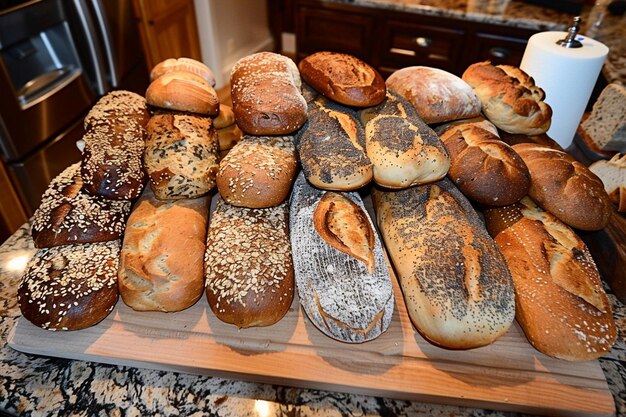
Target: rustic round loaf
{"points": [[343, 78], [565, 187], [183, 91], [509, 97], [70, 287], [437, 95], [183, 64]]}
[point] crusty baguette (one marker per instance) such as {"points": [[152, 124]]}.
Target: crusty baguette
{"points": [[456, 285], [162, 258], [561, 305], [341, 275]]}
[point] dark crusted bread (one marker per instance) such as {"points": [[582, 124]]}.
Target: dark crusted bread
{"points": [[67, 214], [181, 155], [343, 78], [561, 305], [248, 266], [456, 285], [70, 287], [403, 150], [114, 142], [331, 147], [342, 277]]}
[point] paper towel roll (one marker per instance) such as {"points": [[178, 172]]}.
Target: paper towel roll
{"points": [[567, 75]]}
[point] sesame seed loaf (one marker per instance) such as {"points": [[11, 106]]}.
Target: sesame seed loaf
{"points": [[183, 64], [456, 286], [67, 214], [181, 155], [331, 147], [258, 172], [183, 91], [162, 258], [114, 142], [403, 150], [70, 287], [248, 266], [565, 187], [485, 169], [265, 90], [342, 277], [561, 305], [343, 78]]}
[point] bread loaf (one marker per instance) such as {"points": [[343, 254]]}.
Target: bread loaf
{"points": [[67, 214], [437, 95], [456, 285], [265, 90], [258, 172], [114, 143], [183, 64], [509, 97], [403, 150], [162, 259], [478, 121], [181, 155], [225, 118], [183, 91], [542, 139], [561, 305], [342, 278], [70, 287], [343, 78], [613, 176], [606, 125], [485, 169], [249, 271], [565, 187], [331, 147], [227, 138]]}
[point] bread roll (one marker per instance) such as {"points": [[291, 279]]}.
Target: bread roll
{"points": [[342, 278], [510, 99], [67, 214], [561, 305], [403, 150], [331, 147], [249, 271], [162, 259], [181, 156], [227, 138], [542, 139], [613, 176], [114, 142], [456, 285], [183, 91], [485, 169], [258, 172], [225, 118], [437, 95], [478, 121], [183, 64], [343, 78], [565, 187], [265, 90], [70, 287]]}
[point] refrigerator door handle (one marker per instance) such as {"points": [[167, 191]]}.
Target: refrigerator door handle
{"points": [[95, 53], [105, 31]]}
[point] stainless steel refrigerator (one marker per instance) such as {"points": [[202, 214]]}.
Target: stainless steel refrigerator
{"points": [[57, 57]]}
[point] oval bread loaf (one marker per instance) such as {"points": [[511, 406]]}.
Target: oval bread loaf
{"points": [[248, 265], [456, 285], [561, 305], [183, 64], [183, 91]]}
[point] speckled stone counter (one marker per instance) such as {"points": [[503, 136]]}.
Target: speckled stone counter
{"points": [[40, 386]]}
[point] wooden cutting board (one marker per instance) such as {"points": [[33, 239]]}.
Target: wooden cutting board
{"points": [[507, 375]]}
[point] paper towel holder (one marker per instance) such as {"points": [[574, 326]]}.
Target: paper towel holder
{"points": [[570, 40]]}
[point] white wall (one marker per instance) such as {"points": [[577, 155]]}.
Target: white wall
{"points": [[230, 30]]}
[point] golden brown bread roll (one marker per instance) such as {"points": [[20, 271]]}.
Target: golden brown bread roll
{"points": [[183, 64], [225, 118], [183, 91], [343, 78], [227, 138], [510, 99], [565, 187], [561, 305]]}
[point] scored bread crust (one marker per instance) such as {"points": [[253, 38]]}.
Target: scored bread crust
{"points": [[343, 78], [183, 91], [457, 288], [183, 64], [565, 187], [162, 258], [509, 97], [561, 304]]}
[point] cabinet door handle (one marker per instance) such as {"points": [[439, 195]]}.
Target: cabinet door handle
{"points": [[423, 42], [499, 52]]}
